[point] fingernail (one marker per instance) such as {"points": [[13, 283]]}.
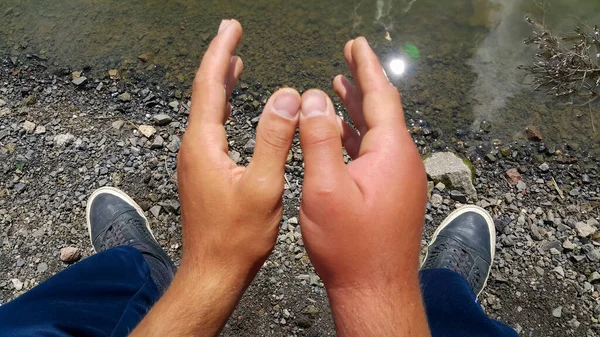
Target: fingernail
{"points": [[286, 104], [223, 26], [314, 103]]}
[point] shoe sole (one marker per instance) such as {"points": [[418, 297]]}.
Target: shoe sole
{"points": [[120, 194], [491, 227]]}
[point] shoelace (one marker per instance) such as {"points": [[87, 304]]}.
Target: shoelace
{"points": [[114, 234], [456, 259]]}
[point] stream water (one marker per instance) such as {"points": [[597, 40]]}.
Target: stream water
{"points": [[458, 59]]}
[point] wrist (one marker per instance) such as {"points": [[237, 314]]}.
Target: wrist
{"points": [[387, 310]]}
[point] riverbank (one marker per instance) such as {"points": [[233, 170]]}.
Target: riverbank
{"points": [[62, 135]]}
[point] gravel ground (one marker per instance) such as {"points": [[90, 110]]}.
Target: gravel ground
{"points": [[62, 138]]}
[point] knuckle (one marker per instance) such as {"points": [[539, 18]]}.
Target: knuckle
{"points": [[273, 138]]}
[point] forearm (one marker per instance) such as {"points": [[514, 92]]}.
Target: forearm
{"points": [[198, 303], [393, 312]]}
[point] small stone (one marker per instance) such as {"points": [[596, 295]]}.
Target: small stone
{"points": [[584, 230], [144, 57], [235, 156], [311, 310], [155, 210], [459, 197], [293, 221], [29, 126], [485, 126], [544, 167], [174, 105], [440, 187], [42, 267], [158, 143], [79, 81], [521, 186], [574, 323], [162, 119], [118, 124], [125, 97], [533, 134], [17, 284], [63, 139], [574, 192], [559, 270], [490, 158], [436, 200], [69, 254], [555, 251], [249, 147], [584, 179], [513, 176], [19, 187], [2, 103], [5, 112], [171, 206], [114, 74], [594, 277], [568, 245], [174, 145], [557, 312], [40, 129], [147, 130]]}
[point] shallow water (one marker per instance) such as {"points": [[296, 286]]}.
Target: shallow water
{"points": [[461, 56]]}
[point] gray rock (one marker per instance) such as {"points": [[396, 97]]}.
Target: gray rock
{"points": [[235, 156], [521, 186], [436, 200], [459, 197], [249, 147], [174, 145], [174, 105], [19, 187], [147, 130], [574, 192], [574, 323], [440, 186], [155, 210], [2, 103], [557, 312], [63, 139], [69, 254], [79, 81], [5, 112], [42, 267], [125, 97], [29, 126], [17, 284], [40, 129], [544, 167], [171, 206], [162, 119], [584, 229], [447, 166], [559, 270], [158, 143], [118, 124], [594, 277]]}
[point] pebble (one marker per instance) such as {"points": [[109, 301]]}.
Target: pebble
{"points": [[158, 143], [559, 270], [147, 130], [69, 254], [125, 97], [594, 277], [459, 197], [42, 267], [19, 187], [235, 156], [118, 124], [436, 200], [2, 103], [584, 229], [544, 167], [557, 312], [162, 119], [40, 129], [174, 145], [440, 186], [29, 126], [521, 186], [63, 139], [17, 284], [249, 146], [79, 81], [155, 210], [171, 206]]}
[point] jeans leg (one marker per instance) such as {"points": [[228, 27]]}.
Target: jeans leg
{"points": [[106, 294], [452, 308]]}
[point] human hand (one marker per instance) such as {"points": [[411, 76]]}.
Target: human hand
{"points": [[230, 214], [362, 222]]}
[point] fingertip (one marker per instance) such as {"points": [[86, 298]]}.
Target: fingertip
{"points": [[286, 102], [315, 103]]}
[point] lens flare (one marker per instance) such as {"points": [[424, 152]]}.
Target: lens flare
{"points": [[397, 67]]}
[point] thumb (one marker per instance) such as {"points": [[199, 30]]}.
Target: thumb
{"points": [[274, 136], [321, 141]]}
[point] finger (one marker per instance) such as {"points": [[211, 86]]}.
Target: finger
{"points": [[209, 95], [349, 58], [320, 140], [274, 136], [381, 100], [236, 67], [350, 138], [352, 101]]}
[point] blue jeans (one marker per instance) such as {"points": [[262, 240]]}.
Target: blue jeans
{"points": [[109, 293]]}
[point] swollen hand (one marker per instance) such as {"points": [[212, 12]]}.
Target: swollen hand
{"points": [[362, 222]]}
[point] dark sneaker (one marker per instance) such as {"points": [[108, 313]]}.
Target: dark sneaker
{"points": [[465, 243], [114, 219]]}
